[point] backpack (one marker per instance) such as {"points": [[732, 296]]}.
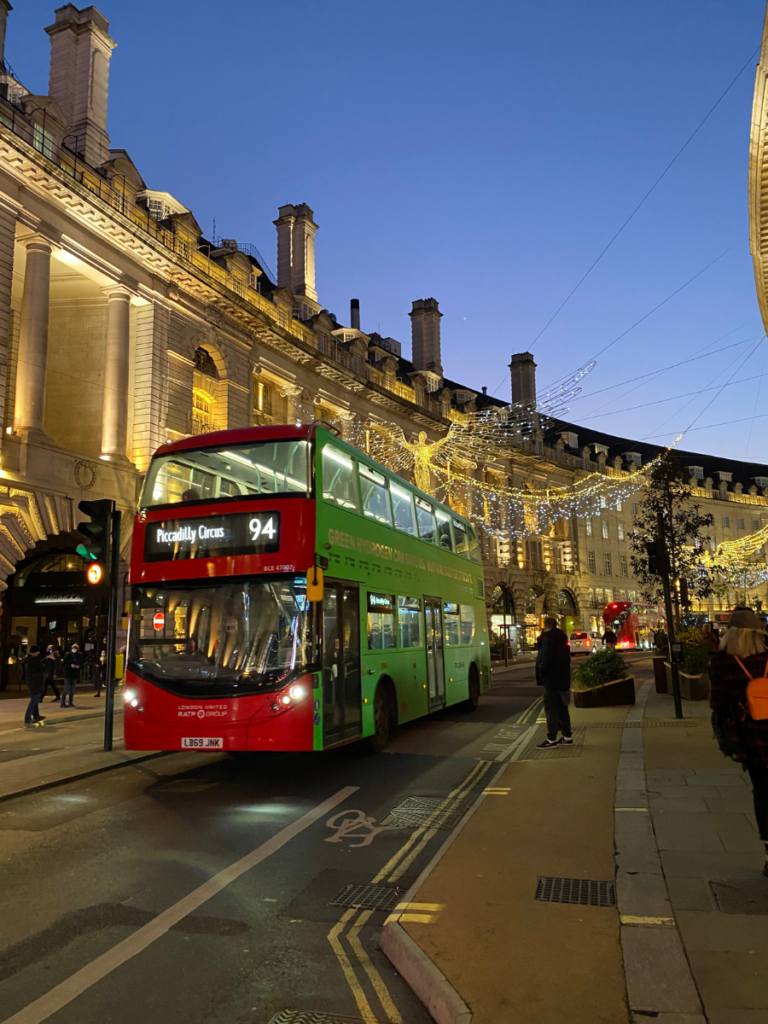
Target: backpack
{"points": [[757, 693]]}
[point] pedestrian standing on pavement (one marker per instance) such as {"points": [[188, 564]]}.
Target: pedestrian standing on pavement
{"points": [[553, 672], [101, 674], [33, 674], [50, 661], [609, 638], [742, 657], [73, 662], [711, 638]]}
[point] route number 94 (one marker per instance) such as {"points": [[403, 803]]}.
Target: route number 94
{"points": [[262, 528]]}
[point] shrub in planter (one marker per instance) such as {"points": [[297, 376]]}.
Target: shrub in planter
{"points": [[604, 666]]}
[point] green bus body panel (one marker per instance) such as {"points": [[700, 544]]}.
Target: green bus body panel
{"points": [[385, 560]]}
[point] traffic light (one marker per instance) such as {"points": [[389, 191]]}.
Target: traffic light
{"points": [[658, 560], [97, 532], [94, 574]]}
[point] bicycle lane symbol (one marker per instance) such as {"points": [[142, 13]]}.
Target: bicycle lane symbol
{"points": [[354, 825]]}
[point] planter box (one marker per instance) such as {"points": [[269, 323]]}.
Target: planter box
{"points": [[691, 687], [660, 674], [620, 691]]}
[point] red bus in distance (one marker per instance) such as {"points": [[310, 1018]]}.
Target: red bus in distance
{"points": [[633, 624]]}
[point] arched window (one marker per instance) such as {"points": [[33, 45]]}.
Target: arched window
{"points": [[565, 602], [204, 363]]}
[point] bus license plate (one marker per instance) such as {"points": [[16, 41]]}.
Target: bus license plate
{"points": [[203, 742]]}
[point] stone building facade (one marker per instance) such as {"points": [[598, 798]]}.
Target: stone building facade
{"points": [[122, 326]]}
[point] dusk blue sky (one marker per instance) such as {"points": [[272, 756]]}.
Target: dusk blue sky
{"points": [[482, 154]]}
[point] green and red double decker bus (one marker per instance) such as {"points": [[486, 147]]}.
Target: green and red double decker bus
{"points": [[289, 593]]}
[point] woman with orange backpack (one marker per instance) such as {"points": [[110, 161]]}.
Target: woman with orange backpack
{"points": [[739, 702]]}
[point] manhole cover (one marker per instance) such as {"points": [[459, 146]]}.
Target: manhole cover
{"points": [[583, 891], [367, 897], [741, 895], [311, 1017], [434, 811], [185, 786]]}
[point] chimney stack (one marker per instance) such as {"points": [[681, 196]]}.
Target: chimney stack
{"points": [[79, 80], [354, 314], [5, 7], [425, 335], [523, 371], [296, 250]]}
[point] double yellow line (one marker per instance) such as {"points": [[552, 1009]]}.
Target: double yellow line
{"points": [[394, 869]]}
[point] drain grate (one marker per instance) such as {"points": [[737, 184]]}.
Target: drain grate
{"points": [[367, 897], [583, 891], [313, 1017], [426, 810]]}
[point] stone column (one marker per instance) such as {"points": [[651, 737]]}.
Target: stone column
{"points": [[114, 421], [33, 338]]}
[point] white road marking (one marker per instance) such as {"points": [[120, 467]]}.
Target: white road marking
{"points": [[103, 965]]}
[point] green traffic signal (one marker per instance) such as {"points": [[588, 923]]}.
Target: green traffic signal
{"points": [[97, 531]]}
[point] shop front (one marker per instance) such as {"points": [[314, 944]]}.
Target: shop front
{"points": [[50, 602]]}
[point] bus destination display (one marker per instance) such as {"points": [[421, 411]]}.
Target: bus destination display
{"points": [[243, 533]]}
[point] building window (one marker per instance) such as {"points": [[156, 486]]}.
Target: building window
{"points": [[608, 592], [621, 531], [591, 561], [592, 598], [202, 412], [237, 286], [589, 527], [739, 524], [262, 397], [726, 522], [607, 564], [634, 508], [182, 248], [43, 141], [755, 524], [605, 529], [623, 565], [603, 503], [204, 363]]}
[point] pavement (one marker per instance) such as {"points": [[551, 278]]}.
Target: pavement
{"points": [[643, 801]]}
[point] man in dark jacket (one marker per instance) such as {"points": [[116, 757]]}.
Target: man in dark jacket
{"points": [[73, 662], [553, 672], [33, 672]]}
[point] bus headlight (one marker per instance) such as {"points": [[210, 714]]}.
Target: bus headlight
{"points": [[297, 691], [129, 697], [285, 699]]}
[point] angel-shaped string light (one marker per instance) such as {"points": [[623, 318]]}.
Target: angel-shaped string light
{"points": [[738, 562], [475, 437]]}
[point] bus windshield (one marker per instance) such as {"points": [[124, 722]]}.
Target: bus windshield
{"points": [[222, 639], [236, 471]]}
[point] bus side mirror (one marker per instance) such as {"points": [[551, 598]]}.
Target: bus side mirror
{"points": [[315, 583]]}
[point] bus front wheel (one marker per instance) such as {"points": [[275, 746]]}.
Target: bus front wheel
{"points": [[474, 689], [383, 718]]}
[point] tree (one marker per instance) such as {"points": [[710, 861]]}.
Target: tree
{"points": [[667, 492]]}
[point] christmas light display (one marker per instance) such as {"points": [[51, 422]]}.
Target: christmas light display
{"points": [[738, 561]]}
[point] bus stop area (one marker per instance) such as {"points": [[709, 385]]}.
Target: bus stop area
{"points": [[617, 880]]}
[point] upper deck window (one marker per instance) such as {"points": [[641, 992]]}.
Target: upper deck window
{"points": [[375, 494], [339, 483], [402, 507], [210, 474]]}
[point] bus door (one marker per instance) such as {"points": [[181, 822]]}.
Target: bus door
{"points": [[433, 614], [342, 714]]}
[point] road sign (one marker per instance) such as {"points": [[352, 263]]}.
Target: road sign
{"points": [[159, 621]]}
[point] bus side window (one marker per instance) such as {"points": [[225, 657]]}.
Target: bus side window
{"points": [[460, 535], [381, 622], [474, 546], [451, 623], [467, 618], [409, 621], [425, 519], [339, 483], [375, 495], [402, 508], [444, 535]]}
